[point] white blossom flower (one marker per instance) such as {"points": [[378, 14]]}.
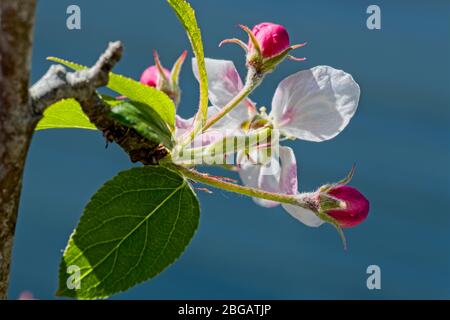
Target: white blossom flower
{"points": [[224, 83], [313, 105]]}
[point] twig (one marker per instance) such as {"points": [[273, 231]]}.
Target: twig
{"points": [[58, 84]]}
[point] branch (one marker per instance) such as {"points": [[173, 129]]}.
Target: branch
{"points": [[21, 109], [58, 84]]}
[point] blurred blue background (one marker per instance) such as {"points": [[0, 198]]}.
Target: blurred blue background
{"points": [[399, 139]]}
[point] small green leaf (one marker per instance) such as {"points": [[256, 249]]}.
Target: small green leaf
{"points": [[150, 96], [136, 91], [186, 15], [134, 227], [175, 71], [329, 219], [70, 64], [144, 120], [65, 113]]}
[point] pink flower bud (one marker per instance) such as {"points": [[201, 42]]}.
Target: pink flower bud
{"points": [[356, 206], [151, 76], [272, 38]]}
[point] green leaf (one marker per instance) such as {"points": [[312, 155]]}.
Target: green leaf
{"points": [[186, 15], [134, 227], [111, 101], [139, 92], [65, 113], [70, 64], [144, 120], [136, 91]]}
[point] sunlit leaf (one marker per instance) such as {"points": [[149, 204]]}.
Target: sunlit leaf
{"points": [[134, 90], [186, 15], [144, 120], [65, 113], [134, 227]]}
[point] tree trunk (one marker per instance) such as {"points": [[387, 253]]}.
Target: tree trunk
{"points": [[17, 120]]}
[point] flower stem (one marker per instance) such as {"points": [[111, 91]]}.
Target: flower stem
{"points": [[252, 82], [226, 146], [217, 182], [300, 200]]}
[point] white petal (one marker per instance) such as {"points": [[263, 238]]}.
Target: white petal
{"points": [[183, 124], [250, 174], [315, 104], [227, 123], [288, 178], [224, 83], [269, 180], [273, 176], [248, 171], [305, 216]]}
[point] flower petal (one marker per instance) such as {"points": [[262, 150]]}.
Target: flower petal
{"points": [[273, 176], [224, 83], [305, 216], [248, 171], [288, 177], [225, 124], [256, 176], [269, 180], [315, 104], [183, 124]]}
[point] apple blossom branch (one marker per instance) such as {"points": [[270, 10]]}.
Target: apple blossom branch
{"points": [[21, 109], [58, 84]]}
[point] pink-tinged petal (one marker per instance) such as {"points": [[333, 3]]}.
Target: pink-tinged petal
{"points": [[251, 176], [226, 123], [269, 180], [182, 126], [305, 216], [316, 104], [226, 126], [208, 137], [273, 176], [288, 178], [181, 123], [224, 83]]}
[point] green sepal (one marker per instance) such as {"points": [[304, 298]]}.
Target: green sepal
{"points": [[328, 219]]}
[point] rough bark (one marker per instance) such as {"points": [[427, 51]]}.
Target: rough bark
{"points": [[21, 109], [59, 84], [17, 121]]}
